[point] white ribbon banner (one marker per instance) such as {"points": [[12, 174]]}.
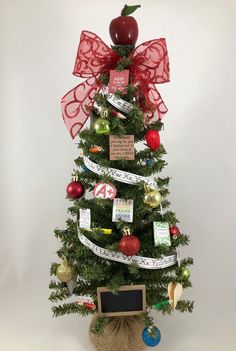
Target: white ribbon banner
{"points": [[120, 104], [121, 176], [142, 262]]}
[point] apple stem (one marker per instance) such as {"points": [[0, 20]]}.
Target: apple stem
{"points": [[127, 10]]}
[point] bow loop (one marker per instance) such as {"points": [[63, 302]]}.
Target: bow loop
{"points": [[151, 61], [93, 56], [77, 104]]}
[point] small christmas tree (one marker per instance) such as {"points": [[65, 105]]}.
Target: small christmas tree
{"points": [[120, 249]]}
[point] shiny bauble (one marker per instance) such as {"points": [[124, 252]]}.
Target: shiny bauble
{"points": [[129, 245], [185, 272], [65, 273], [151, 336], [75, 189], [124, 29], [102, 126], [174, 231], [153, 139], [149, 162], [152, 198]]}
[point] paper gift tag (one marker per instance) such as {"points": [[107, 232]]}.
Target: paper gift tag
{"points": [[121, 147], [104, 190], [118, 81], [84, 218], [161, 233], [122, 210]]}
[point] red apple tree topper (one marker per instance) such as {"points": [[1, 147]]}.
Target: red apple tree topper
{"points": [[124, 29]]}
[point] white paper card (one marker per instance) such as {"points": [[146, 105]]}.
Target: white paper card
{"points": [[84, 218], [161, 233], [122, 210]]}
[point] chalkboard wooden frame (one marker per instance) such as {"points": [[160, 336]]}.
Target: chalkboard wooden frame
{"points": [[125, 288]]}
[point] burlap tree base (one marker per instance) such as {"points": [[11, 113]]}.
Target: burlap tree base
{"points": [[120, 334]]}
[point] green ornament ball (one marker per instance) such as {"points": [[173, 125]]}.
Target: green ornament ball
{"points": [[102, 126], [185, 272]]}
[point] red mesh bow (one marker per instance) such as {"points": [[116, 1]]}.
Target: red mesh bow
{"points": [[150, 65]]}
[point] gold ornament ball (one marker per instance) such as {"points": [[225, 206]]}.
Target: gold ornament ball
{"points": [[185, 272], [65, 273], [152, 198]]}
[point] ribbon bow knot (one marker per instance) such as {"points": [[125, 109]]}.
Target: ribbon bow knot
{"points": [[150, 66]]}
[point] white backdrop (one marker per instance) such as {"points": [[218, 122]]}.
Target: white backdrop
{"points": [[39, 41]]}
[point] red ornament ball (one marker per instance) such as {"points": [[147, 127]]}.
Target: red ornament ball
{"points": [[153, 139], [174, 231], [129, 245], [75, 190]]}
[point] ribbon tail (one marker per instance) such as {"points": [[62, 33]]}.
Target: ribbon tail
{"points": [[77, 104], [156, 108]]}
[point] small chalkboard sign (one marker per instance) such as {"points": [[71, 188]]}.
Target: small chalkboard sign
{"points": [[128, 300]]}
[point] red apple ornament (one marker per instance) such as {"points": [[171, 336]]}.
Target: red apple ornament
{"points": [[124, 29], [153, 139], [75, 189]]}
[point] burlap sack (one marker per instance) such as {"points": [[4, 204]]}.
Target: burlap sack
{"points": [[120, 334]]}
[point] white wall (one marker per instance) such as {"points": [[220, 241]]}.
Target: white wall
{"points": [[39, 41]]}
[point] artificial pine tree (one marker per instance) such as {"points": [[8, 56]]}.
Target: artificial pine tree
{"points": [[121, 232]]}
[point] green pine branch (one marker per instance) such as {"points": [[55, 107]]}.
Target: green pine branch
{"points": [[98, 325], [56, 285], [185, 306], [69, 308], [147, 320], [59, 295], [53, 268], [124, 63], [122, 50]]}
